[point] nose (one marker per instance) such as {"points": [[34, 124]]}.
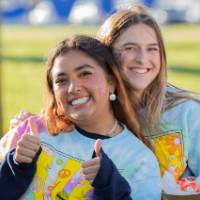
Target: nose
{"points": [[74, 86], [141, 56]]}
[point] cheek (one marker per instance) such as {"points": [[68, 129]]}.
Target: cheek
{"points": [[156, 60], [101, 88], [125, 58], [60, 95], [103, 91], [127, 75]]}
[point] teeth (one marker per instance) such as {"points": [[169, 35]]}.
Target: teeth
{"points": [[80, 101], [140, 70]]}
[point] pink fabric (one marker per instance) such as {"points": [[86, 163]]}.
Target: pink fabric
{"points": [[24, 127]]}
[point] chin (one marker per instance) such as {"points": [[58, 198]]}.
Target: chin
{"points": [[139, 86], [80, 117]]}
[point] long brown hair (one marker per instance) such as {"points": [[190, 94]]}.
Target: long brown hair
{"points": [[157, 97], [55, 121], [113, 27]]}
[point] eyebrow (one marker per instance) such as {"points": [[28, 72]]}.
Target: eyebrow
{"points": [[76, 69], [132, 43], [83, 66]]}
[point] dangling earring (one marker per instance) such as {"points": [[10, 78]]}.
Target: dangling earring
{"points": [[112, 96]]}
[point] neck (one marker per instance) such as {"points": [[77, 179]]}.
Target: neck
{"points": [[107, 126], [139, 95]]}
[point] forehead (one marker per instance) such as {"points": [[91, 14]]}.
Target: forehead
{"points": [[139, 34], [72, 60]]}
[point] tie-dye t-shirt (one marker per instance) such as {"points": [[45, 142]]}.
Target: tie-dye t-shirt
{"points": [[59, 174], [178, 145]]}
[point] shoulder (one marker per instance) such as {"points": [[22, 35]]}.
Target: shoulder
{"points": [[136, 146], [25, 126], [184, 115], [186, 106], [177, 99], [9, 140]]}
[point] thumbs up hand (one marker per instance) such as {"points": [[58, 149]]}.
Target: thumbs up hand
{"points": [[28, 145], [92, 166]]}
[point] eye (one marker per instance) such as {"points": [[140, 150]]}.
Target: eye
{"points": [[152, 49], [61, 81], [85, 74], [130, 48]]}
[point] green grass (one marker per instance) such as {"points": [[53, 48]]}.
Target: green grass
{"points": [[25, 48]]}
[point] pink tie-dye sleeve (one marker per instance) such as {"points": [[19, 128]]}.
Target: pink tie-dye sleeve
{"points": [[9, 140]]}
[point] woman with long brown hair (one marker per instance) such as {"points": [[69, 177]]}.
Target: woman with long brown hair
{"points": [[169, 115], [87, 112]]}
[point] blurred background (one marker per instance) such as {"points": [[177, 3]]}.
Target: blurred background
{"points": [[29, 28]]}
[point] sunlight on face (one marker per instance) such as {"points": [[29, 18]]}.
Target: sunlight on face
{"points": [[139, 54], [81, 87]]}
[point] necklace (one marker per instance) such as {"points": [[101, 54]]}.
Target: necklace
{"points": [[113, 128]]}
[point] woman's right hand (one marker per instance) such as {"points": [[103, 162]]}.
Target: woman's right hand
{"points": [[92, 166], [19, 118], [28, 145]]}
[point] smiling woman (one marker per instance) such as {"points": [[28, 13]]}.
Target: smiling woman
{"points": [[169, 115], [86, 83], [87, 118], [140, 56]]}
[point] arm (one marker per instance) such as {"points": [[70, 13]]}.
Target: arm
{"points": [[20, 117], [19, 165], [193, 128], [143, 176], [101, 172], [109, 184], [15, 177]]}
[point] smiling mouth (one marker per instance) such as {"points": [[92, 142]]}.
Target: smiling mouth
{"points": [[79, 101], [140, 70]]}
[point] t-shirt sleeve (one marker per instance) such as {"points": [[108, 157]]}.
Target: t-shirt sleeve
{"points": [[15, 177], [9, 140], [193, 128], [109, 184]]}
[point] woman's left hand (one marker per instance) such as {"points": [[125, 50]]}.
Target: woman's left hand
{"points": [[92, 166]]}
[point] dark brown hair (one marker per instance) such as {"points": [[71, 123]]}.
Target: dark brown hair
{"points": [[57, 122]]}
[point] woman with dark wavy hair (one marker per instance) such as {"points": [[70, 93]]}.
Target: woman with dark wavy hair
{"points": [[89, 138]]}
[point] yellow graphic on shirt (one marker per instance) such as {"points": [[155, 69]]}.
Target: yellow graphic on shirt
{"points": [[58, 177], [80, 192], [64, 176], [169, 151], [44, 161]]}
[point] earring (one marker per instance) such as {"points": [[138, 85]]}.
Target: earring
{"points": [[112, 96]]}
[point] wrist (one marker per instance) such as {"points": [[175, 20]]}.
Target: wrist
{"points": [[102, 178]]}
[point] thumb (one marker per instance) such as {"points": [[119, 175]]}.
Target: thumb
{"points": [[97, 147], [33, 127]]}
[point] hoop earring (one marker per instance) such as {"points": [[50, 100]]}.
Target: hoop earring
{"points": [[112, 96]]}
